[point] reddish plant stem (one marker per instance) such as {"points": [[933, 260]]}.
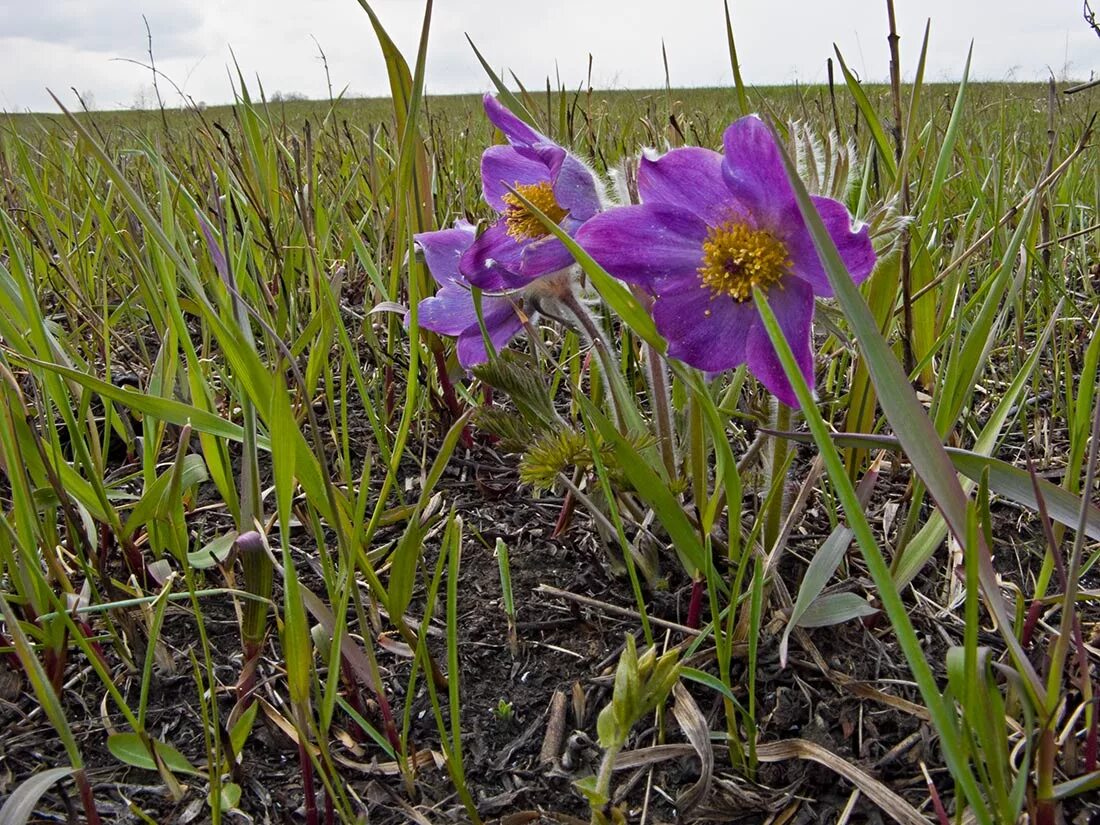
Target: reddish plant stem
{"points": [[246, 683], [388, 392], [565, 515], [445, 383], [86, 797], [89, 634], [695, 606], [55, 661], [454, 406], [389, 725], [355, 699], [1044, 778], [307, 783], [937, 803], [134, 561], [103, 552], [388, 722], [1030, 622], [1083, 686]]}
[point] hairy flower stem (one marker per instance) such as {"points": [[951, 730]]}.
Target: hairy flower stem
{"points": [[698, 470], [777, 463], [593, 332], [661, 401], [659, 398]]}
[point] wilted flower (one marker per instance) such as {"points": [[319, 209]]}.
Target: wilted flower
{"points": [[517, 249], [710, 229], [451, 310]]}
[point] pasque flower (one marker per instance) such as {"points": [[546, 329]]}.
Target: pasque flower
{"points": [[710, 229], [517, 248], [451, 310]]}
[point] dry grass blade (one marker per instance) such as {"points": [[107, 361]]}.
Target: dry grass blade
{"points": [[891, 804], [694, 725], [422, 760]]}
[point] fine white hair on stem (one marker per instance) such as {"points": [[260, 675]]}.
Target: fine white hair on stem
{"points": [[825, 166], [620, 194], [624, 177]]}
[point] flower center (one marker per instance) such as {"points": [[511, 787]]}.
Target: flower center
{"points": [[522, 224], [736, 258]]}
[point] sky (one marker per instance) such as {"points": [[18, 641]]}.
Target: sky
{"points": [[91, 45]]}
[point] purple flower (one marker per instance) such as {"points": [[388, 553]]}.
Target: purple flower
{"points": [[709, 229], [517, 249], [451, 310]]}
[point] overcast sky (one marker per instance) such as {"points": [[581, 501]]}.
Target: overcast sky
{"points": [[59, 44]]}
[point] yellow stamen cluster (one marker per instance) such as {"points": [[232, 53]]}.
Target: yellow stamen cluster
{"points": [[522, 225], [736, 258]]}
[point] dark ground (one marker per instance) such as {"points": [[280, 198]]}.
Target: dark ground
{"points": [[846, 688], [564, 646]]}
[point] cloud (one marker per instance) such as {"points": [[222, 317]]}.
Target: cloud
{"points": [[72, 43], [112, 26]]}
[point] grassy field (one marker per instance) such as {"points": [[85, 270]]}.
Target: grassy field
{"points": [[267, 553]]}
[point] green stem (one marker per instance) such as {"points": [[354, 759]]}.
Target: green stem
{"points": [[777, 463], [603, 782]]}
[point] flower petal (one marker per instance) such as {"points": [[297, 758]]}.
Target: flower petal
{"points": [[443, 249], [542, 257], [503, 167], [854, 245], [647, 243], [690, 178], [450, 311], [793, 305], [576, 187], [513, 128], [704, 331], [754, 170], [493, 260], [502, 323]]}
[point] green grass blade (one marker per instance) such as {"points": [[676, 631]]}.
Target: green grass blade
{"points": [[735, 64], [942, 716], [914, 429], [863, 103]]}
